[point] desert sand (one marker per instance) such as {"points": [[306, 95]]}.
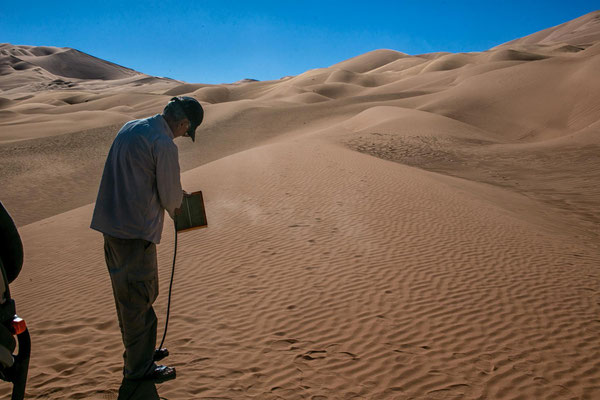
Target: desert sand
{"points": [[393, 226]]}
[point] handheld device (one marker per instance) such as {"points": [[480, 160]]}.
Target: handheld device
{"points": [[193, 214]]}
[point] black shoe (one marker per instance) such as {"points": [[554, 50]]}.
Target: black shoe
{"points": [[159, 354], [161, 373]]}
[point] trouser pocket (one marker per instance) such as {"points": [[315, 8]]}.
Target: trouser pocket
{"points": [[142, 275], [142, 292]]}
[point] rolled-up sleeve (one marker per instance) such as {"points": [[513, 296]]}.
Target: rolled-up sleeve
{"points": [[167, 176]]}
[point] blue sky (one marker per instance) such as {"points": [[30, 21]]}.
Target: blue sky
{"points": [[225, 41]]}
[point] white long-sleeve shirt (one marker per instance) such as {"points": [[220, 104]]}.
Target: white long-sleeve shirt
{"points": [[140, 181]]}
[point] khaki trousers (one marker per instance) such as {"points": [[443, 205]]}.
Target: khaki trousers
{"points": [[133, 272]]}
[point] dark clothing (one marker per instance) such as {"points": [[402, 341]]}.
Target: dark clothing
{"points": [[11, 247], [11, 261], [138, 390], [133, 272]]}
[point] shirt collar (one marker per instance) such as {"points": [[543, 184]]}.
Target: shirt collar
{"points": [[166, 127]]}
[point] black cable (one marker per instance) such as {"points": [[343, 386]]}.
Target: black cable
{"points": [[170, 289]]}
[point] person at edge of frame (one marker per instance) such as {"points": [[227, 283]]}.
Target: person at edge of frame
{"points": [[141, 179]]}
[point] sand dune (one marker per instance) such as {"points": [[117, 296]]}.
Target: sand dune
{"points": [[370, 61], [65, 62], [336, 275], [393, 226], [531, 101], [584, 30], [212, 94]]}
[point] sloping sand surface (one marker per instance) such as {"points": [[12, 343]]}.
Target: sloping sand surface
{"points": [[390, 227], [329, 273], [580, 31]]}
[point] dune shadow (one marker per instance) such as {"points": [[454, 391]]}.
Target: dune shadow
{"points": [[138, 390]]}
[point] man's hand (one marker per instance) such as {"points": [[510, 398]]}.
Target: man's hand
{"points": [[177, 211]]}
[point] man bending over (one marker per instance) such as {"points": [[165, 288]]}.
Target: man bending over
{"points": [[140, 181]]}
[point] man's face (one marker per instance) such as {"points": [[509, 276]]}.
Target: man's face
{"points": [[181, 128]]}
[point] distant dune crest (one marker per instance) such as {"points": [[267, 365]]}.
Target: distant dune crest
{"points": [[30, 69], [64, 62], [484, 89], [584, 30]]}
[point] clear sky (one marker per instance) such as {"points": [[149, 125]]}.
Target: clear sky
{"points": [[225, 41]]}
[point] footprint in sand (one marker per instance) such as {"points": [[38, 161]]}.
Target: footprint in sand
{"points": [[484, 364], [313, 355], [452, 392]]}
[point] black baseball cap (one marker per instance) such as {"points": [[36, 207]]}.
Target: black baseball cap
{"points": [[193, 111]]}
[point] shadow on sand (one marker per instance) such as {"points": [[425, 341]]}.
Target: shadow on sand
{"points": [[138, 390]]}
